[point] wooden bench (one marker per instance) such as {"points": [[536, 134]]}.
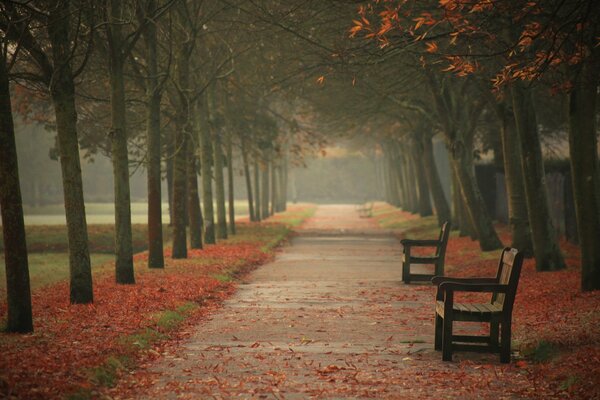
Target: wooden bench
{"points": [[437, 259], [365, 210], [498, 312]]}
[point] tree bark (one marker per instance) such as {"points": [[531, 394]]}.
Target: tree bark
{"points": [[120, 158], [153, 95], [408, 176], [62, 91], [195, 220], [265, 190], [257, 186], [433, 179], [585, 170], [248, 182], [230, 193], [220, 187], [18, 292], [207, 194], [515, 187], [545, 242], [424, 204], [475, 207], [274, 186], [183, 126], [179, 249]]}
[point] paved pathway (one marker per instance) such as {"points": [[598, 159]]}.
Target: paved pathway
{"points": [[328, 318]]}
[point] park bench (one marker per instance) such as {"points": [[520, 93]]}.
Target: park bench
{"points": [[438, 247], [498, 312], [365, 210]]}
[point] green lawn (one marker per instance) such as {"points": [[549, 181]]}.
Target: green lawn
{"points": [[103, 213], [48, 268]]}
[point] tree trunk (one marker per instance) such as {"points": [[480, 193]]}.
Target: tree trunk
{"points": [[433, 179], [585, 170], [408, 176], [515, 188], [18, 292], [206, 173], [179, 249], [257, 186], [274, 187], [545, 243], [424, 205], [230, 193], [62, 90], [153, 95], [265, 191], [195, 221], [120, 158], [220, 188], [169, 172], [475, 207], [284, 181], [248, 182]]}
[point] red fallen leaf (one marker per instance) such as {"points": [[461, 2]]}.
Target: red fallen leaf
{"points": [[521, 363]]}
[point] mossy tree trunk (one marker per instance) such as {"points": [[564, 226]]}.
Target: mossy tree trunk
{"points": [[153, 143], [62, 91], [230, 188], [18, 292], [585, 170], [248, 179], [545, 241], [118, 133], [513, 178], [442, 208], [206, 162]]}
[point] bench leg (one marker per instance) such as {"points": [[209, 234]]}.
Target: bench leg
{"points": [[505, 327], [439, 324], [439, 269], [447, 340], [494, 331], [406, 272]]}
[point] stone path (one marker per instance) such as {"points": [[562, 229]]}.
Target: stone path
{"points": [[328, 318]]}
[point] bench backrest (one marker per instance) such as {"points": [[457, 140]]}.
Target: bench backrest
{"points": [[444, 235], [509, 270]]}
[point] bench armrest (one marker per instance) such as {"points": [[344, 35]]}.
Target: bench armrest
{"points": [[416, 242], [473, 287], [437, 280]]}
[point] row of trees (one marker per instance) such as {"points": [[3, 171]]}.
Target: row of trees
{"points": [[181, 87], [171, 85], [483, 70]]}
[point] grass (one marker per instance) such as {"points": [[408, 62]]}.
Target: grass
{"points": [[103, 213], [49, 268]]}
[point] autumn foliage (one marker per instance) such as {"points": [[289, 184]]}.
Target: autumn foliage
{"points": [[76, 348], [556, 326]]}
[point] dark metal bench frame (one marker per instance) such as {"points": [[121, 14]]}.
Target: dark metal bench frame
{"points": [[498, 312], [437, 259]]}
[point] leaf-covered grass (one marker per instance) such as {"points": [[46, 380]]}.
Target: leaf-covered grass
{"points": [[75, 349], [556, 326]]}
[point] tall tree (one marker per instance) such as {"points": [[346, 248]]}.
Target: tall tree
{"points": [[585, 169], [52, 64], [545, 241], [119, 48], [18, 294]]}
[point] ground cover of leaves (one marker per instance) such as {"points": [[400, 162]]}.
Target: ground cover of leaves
{"points": [[556, 326], [77, 348]]}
